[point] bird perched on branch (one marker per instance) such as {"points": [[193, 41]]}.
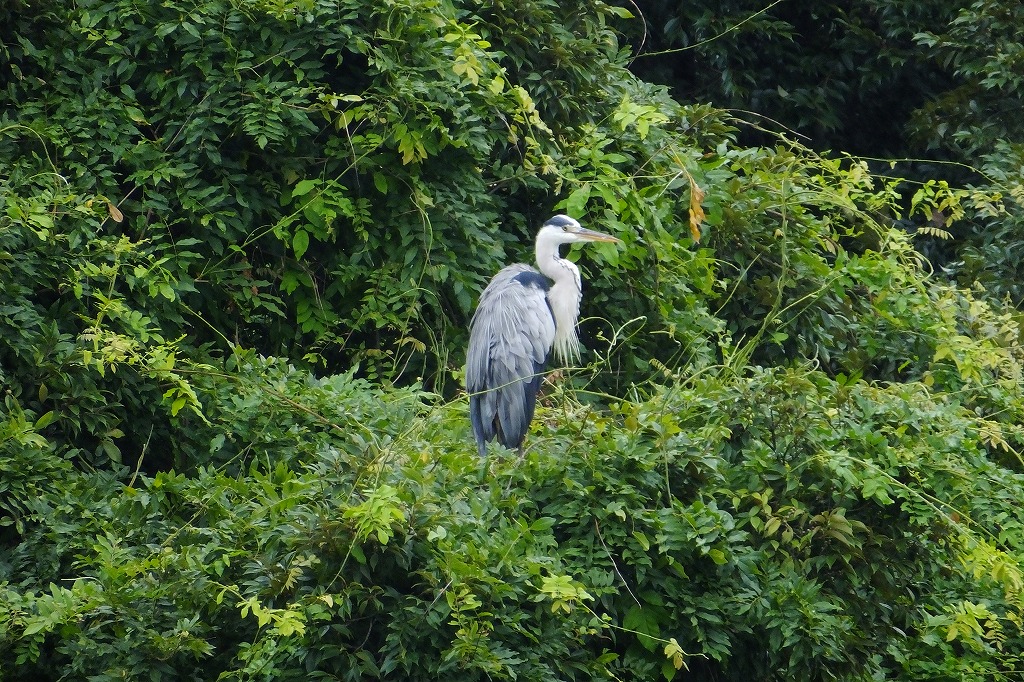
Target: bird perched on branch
{"points": [[520, 317]]}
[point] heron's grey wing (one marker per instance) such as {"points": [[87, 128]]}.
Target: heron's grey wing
{"points": [[510, 336]]}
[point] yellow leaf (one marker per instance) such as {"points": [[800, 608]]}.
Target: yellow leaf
{"points": [[675, 653], [696, 210], [115, 213]]}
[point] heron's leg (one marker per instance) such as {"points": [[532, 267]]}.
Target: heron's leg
{"points": [[482, 470]]}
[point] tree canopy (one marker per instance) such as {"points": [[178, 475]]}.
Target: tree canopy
{"points": [[240, 242]]}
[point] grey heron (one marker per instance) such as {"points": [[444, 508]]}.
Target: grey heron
{"points": [[520, 317]]}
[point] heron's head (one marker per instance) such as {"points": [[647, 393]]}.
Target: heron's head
{"points": [[564, 230]]}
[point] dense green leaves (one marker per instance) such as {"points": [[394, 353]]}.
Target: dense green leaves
{"points": [[847, 75], [837, 529], [928, 84]]}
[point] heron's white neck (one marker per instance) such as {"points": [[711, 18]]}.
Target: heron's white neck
{"points": [[548, 260], [564, 298]]}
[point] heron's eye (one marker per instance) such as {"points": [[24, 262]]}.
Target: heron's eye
{"points": [[565, 228]]}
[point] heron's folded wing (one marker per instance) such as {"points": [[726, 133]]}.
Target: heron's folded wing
{"points": [[510, 337], [512, 329]]}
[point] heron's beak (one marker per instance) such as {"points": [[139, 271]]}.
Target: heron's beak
{"points": [[595, 236]]}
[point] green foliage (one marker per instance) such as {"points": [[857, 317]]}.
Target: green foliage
{"points": [[81, 343], [316, 203], [929, 83], [857, 530], [792, 453], [969, 121], [983, 47], [848, 75], [992, 247]]}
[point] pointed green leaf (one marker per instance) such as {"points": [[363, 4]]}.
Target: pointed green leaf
{"points": [[300, 242], [303, 187]]}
